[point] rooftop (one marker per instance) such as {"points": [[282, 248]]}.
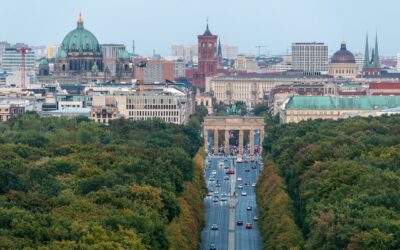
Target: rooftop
{"points": [[343, 103]]}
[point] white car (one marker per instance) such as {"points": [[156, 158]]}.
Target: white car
{"points": [[244, 193], [253, 184], [239, 178], [214, 172]]}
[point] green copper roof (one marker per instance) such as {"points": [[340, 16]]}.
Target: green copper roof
{"points": [[123, 54], [80, 39], [343, 103]]}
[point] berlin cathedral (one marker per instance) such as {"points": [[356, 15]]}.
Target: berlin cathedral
{"points": [[80, 60]]}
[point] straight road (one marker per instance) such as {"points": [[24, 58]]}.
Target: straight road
{"points": [[225, 214]]}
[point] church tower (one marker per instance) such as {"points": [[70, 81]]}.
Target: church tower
{"points": [[372, 65], [219, 53]]}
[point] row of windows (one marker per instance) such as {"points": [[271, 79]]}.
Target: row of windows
{"points": [[131, 106], [313, 112], [153, 113], [343, 71], [166, 119], [149, 101]]}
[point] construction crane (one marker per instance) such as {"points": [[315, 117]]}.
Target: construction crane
{"points": [[259, 48], [23, 51], [141, 65]]}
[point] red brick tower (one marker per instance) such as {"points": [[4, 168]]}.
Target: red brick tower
{"points": [[207, 46]]}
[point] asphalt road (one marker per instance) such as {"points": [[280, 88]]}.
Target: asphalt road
{"points": [[223, 212]]}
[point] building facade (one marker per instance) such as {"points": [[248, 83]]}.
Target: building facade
{"points": [[311, 58], [12, 60], [253, 89], [301, 108], [170, 104]]}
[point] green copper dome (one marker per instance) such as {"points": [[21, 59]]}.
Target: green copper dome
{"points": [[80, 40], [43, 61]]}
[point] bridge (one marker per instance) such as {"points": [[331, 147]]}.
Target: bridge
{"points": [[226, 124]]}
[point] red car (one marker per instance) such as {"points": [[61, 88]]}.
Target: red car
{"points": [[249, 226], [230, 172]]}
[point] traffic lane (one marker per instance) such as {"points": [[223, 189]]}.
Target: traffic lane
{"points": [[216, 212], [247, 238], [215, 215]]}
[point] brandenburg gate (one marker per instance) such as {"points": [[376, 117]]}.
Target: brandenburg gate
{"points": [[231, 123]]}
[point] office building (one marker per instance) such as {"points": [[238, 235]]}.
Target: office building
{"points": [[246, 63], [110, 53], [156, 71], [311, 58], [170, 104], [12, 60], [52, 51]]}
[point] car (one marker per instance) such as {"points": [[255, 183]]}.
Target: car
{"points": [[254, 167], [226, 167], [247, 170], [239, 178], [230, 172], [253, 184], [212, 179], [216, 192], [214, 172], [225, 159], [239, 223], [210, 193], [255, 218], [247, 183], [213, 247], [226, 178], [224, 198], [249, 226], [216, 198], [218, 185], [249, 208], [244, 193], [214, 227], [240, 186]]}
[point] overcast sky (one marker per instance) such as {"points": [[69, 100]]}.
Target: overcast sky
{"points": [[157, 24]]}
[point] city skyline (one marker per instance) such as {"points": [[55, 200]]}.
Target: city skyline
{"points": [[153, 27]]}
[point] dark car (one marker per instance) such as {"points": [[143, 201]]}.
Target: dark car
{"points": [[247, 170], [249, 208], [239, 223], [214, 227], [213, 247], [230, 172], [254, 167], [249, 226]]}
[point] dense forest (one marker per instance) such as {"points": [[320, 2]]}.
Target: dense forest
{"points": [[75, 184], [334, 183]]}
